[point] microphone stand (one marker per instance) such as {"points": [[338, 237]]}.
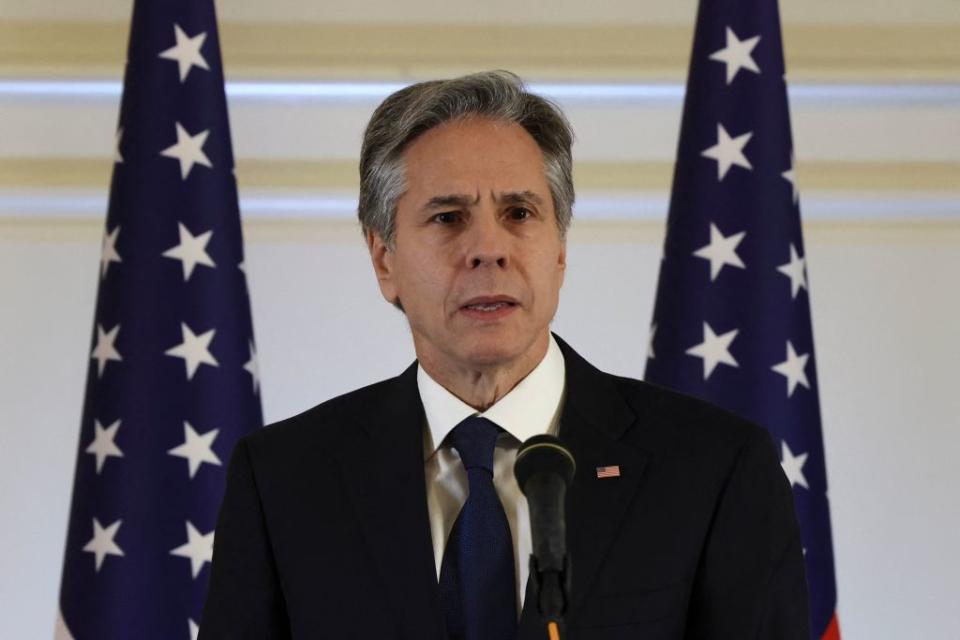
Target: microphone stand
{"points": [[544, 469], [551, 588]]}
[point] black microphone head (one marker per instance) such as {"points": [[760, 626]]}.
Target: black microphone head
{"points": [[543, 454]]}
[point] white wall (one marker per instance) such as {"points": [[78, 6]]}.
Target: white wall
{"points": [[885, 310]]}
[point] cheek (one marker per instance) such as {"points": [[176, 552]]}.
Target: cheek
{"points": [[425, 282], [549, 277]]}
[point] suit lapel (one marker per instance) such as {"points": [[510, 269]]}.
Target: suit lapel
{"points": [[384, 478], [593, 419]]}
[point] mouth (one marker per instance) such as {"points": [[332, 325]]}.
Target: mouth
{"points": [[489, 306]]}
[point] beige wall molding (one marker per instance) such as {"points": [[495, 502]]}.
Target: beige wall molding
{"points": [[629, 52], [940, 177]]}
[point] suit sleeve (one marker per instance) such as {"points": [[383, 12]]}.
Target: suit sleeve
{"points": [[751, 581], [245, 599]]}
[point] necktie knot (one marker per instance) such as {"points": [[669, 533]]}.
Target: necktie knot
{"points": [[475, 439]]}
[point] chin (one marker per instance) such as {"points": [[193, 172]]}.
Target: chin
{"points": [[493, 351]]}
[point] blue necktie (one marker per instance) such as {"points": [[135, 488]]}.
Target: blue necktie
{"points": [[477, 584]]}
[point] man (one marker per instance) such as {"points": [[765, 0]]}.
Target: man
{"points": [[392, 512]]}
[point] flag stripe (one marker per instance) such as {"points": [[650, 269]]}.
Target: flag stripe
{"points": [[608, 472]]}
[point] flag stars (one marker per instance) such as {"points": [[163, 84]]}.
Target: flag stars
{"points": [[721, 251], [790, 176], [728, 151], [253, 367], [198, 548], [104, 351], [736, 55], [102, 544], [714, 350], [186, 52], [196, 448], [103, 444], [191, 251], [793, 466], [796, 270], [108, 250], [188, 150], [792, 369], [194, 350]]}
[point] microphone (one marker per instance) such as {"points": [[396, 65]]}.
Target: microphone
{"points": [[544, 469]]}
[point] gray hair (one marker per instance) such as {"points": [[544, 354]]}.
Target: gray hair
{"points": [[411, 111]]}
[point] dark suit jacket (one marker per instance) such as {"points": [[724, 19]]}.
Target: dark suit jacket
{"points": [[324, 531]]}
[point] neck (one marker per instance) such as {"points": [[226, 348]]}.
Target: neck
{"points": [[482, 386]]}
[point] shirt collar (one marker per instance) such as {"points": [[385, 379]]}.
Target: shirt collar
{"points": [[532, 407]]}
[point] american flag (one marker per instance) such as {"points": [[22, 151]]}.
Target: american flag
{"points": [[731, 323], [173, 378], [609, 471]]}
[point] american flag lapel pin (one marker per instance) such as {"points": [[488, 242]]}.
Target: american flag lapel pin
{"points": [[612, 471]]}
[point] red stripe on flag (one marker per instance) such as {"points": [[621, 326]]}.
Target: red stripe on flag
{"points": [[833, 630]]}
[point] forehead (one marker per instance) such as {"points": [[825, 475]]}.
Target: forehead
{"points": [[474, 153]]}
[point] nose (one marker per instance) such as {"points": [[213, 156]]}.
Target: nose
{"points": [[487, 241]]}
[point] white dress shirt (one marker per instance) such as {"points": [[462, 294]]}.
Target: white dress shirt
{"points": [[530, 408]]}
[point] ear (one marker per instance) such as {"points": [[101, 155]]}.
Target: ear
{"points": [[562, 261], [383, 260]]}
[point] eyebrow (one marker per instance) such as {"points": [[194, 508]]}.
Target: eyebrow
{"points": [[462, 200], [521, 197], [451, 200]]}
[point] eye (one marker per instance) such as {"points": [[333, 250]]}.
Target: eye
{"points": [[520, 213], [446, 217]]}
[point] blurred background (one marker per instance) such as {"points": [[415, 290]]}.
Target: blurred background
{"points": [[875, 100]]}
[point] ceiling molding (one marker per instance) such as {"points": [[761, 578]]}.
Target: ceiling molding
{"points": [[876, 53]]}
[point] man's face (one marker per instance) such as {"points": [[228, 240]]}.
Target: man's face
{"points": [[478, 259]]}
